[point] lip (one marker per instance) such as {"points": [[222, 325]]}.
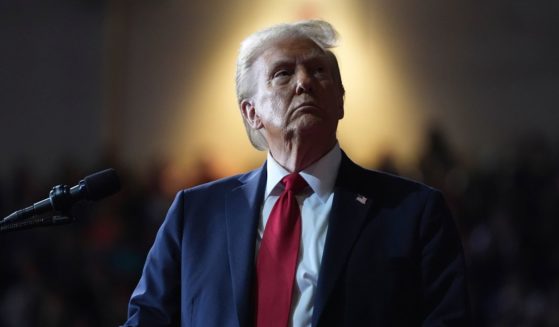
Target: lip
{"points": [[306, 105], [305, 109]]}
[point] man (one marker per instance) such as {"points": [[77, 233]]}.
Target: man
{"points": [[310, 238]]}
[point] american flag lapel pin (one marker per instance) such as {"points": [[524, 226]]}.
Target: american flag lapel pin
{"points": [[362, 199]]}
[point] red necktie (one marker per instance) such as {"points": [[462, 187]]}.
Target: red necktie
{"points": [[277, 258]]}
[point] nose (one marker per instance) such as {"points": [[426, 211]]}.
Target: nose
{"points": [[304, 82]]}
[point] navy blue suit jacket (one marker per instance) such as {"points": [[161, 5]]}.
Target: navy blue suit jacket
{"points": [[392, 256]]}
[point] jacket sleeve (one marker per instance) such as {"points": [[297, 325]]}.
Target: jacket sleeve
{"points": [[443, 269], [156, 299]]}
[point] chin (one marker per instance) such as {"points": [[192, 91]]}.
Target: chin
{"points": [[307, 123], [312, 130]]}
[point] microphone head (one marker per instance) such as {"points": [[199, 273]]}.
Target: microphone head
{"points": [[101, 184]]}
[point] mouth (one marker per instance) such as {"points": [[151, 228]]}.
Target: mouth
{"points": [[306, 110], [307, 106]]}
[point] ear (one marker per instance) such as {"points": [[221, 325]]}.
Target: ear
{"points": [[340, 103], [341, 110], [249, 114]]}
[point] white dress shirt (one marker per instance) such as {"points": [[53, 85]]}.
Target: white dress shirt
{"points": [[315, 204]]}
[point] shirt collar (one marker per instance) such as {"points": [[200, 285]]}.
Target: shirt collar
{"points": [[320, 176]]}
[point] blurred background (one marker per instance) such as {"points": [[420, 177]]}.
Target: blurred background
{"points": [[462, 96]]}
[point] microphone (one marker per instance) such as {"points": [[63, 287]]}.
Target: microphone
{"points": [[62, 197]]}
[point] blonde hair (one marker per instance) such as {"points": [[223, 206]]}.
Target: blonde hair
{"points": [[318, 31]]}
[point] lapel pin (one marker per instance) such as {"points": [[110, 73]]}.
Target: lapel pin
{"points": [[361, 199]]}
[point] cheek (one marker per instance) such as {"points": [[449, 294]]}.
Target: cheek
{"points": [[270, 110], [278, 103], [274, 105], [332, 96]]}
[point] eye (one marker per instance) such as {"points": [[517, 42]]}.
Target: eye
{"points": [[282, 73], [320, 70]]}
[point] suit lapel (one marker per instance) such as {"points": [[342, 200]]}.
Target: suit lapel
{"points": [[348, 214], [242, 212]]}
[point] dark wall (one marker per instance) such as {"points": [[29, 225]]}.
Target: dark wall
{"points": [[486, 71], [50, 82]]}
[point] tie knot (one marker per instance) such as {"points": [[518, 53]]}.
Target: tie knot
{"points": [[294, 182]]}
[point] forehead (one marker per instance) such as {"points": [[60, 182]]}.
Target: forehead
{"points": [[290, 50]]}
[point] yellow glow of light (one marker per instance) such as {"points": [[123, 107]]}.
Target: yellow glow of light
{"points": [[379, 112]]}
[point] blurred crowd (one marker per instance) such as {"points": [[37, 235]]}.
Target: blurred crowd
{"points": [[507, 210], [82, 274]]}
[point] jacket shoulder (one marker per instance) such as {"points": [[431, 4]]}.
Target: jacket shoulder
{"points": [[380, 185], [222, 185]]}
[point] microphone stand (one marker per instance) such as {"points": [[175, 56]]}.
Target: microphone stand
{"points": [[58, 218]]}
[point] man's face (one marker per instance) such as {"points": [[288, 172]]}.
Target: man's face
{"points": [[295, 93]]}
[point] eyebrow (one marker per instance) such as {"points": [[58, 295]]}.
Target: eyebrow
{"points": [[314, 56]]}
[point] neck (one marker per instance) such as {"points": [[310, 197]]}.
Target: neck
{"points": [[296, 156]]}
